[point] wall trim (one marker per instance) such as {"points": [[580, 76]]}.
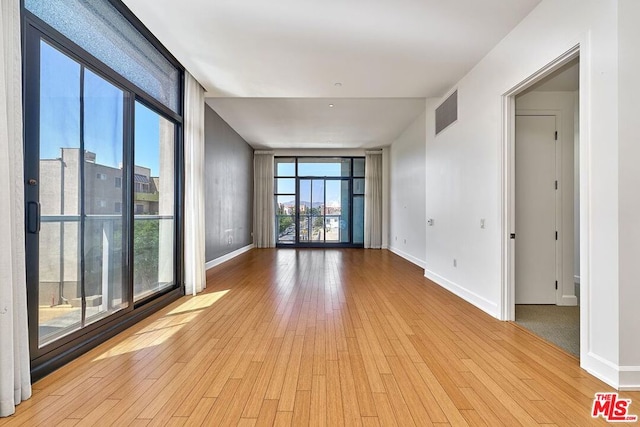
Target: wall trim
{"points": [[629, 378], [408, 257], [601, 368], [227, 257], [482, 303], [567, 300], [623, 378]]}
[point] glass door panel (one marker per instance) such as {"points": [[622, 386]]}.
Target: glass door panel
{"points": [[103, 196], [345, 208], [358, 219], [333, 210], [286, 218], [304, 210], [317, 211], [59, 287], [154, 202], [80, 257]]}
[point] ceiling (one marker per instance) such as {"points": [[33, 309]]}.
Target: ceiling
{"points": [[293, 52]]}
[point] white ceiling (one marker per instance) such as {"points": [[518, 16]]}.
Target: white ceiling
{"points": [[310, 122], [244, 50]]}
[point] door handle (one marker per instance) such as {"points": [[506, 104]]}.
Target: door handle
{"points": [[33, 217]]}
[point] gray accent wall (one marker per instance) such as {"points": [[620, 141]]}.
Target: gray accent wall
{"points": [[228, 188]]}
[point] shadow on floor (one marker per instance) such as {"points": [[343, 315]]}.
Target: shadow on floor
{"points": [[557, 324]]}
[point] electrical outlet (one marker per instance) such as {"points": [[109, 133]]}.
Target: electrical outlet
{"points": [[405, 241], [430, 222], [482, 222], [455, 262]]}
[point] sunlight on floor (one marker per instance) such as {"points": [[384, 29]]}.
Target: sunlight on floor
{"points": [[198, 302], [166, 326]]}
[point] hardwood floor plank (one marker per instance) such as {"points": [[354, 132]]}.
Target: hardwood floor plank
{"points": [[241, 396], [280, 369], [361, 385], [305, 376], [289, 385], [335, 413], [283, 419], [318, 409], [267, 413], [401, 410], [384, 410], [259, 390], [302, 408]]}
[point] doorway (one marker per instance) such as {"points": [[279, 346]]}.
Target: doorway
{"points": [[543, 261]]}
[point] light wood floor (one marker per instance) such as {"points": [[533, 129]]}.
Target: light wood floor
{"points": [[318, 337]]}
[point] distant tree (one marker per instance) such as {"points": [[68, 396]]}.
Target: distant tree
{"points": [[146, 249], [285, 222], [319, 222]]}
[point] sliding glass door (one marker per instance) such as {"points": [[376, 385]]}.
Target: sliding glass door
{"points": [[324, 210], [318, 201], [100, 198]]}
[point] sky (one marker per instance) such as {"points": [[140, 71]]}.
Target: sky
{"points": [[103, 115]]}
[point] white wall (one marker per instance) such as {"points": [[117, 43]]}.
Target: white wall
{"points": [[464, 176], [562, 104], [629, 176], [407, 222]]}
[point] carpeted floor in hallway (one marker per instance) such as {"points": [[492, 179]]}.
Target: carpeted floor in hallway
{"points": [[557, 324]]}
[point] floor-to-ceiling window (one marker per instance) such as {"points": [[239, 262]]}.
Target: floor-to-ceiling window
{"points": [[319, 201], [103, 120]]}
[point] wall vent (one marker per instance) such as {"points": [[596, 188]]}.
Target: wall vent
{"points": [[447, 112]]}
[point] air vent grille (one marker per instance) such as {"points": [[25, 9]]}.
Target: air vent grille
{"points": [[447, 112]]}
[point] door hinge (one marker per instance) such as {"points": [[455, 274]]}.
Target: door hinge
{"points": [[556, 235], [556, 135], [556, 184], [556, 285]]}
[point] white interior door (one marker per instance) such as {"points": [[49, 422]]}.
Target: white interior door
{"points": [[535, 221]]}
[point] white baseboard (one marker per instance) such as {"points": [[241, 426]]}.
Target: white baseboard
{"points": [[629, 378], [408, 257], [227, 257], [624, 378], [600, 368], [568, 300], [471, 297]]}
